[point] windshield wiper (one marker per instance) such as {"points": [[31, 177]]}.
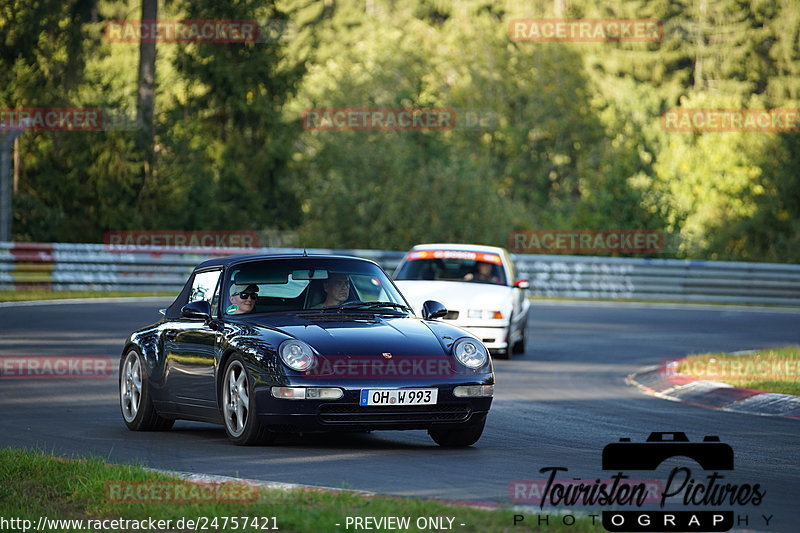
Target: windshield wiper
{"points": [[373, 305], [364, 306]]}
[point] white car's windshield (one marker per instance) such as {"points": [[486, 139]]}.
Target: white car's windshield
{"points": [[451, 265]]}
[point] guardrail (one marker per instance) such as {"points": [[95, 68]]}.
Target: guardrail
{"points": [[661, 279], [59, 266]]}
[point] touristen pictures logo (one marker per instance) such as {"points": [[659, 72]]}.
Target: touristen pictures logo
{"points": [[687, 500]]}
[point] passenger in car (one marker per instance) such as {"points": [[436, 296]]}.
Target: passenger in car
{"points": [[244, 301], [337, 290], [483, 273]]}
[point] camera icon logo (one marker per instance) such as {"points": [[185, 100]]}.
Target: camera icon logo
{"points": [[710, 454]]}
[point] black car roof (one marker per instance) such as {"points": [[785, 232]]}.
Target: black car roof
{"points": [[234, 259]]}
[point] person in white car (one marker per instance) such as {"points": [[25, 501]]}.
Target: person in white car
{"points": [[484, 273]]}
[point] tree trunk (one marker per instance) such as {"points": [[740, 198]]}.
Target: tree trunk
{"points": [[145, 97]]}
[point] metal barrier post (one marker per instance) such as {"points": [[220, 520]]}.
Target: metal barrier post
{"points": [[6, 213]]}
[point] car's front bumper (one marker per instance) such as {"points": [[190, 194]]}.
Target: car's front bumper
{"points": [[494, 337], [345, 414]]}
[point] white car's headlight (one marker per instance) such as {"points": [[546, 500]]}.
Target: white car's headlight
{"points": [[296, 354], [484, 314], [470, 352]]}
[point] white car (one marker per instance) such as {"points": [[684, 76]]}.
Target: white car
{"points": [[477, 285]]}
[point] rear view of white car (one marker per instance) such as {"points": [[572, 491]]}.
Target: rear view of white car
{"points": [[477, 284]]}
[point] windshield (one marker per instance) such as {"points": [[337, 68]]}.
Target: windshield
{"points": [[450, 265], [285, 285]]}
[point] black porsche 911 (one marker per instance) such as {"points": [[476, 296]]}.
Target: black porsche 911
{"points": [[274, 344]]}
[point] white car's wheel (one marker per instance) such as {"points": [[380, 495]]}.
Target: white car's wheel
{"points": [[519, 345]]}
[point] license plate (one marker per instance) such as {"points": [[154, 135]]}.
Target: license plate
{"points": [[399, 396]]}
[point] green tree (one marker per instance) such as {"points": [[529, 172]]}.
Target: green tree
{"points": [[72, 184], [537, 158], [225, 146]]}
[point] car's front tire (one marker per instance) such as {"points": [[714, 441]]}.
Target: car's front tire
{"points": [[239, 406], [501, 354], [135, 401], [519, 346], [458, 437]]}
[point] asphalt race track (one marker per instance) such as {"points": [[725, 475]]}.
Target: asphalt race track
{"points": [[557, 405]]}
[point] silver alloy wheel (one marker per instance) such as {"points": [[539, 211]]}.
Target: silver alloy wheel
{"points": [[130, 386], [236, 398]]}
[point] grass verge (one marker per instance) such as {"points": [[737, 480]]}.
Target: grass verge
{"points": [[774, 370], [34, 485], [25, 295]]}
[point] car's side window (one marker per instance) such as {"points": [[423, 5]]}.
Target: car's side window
{"points": [[204, 288]]}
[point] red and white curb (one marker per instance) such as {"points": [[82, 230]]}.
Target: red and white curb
{"points": [[669, 385]]}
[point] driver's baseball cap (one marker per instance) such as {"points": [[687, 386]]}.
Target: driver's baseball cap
{"points": [[249, 288]]}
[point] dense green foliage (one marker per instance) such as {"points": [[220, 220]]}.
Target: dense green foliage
{"points": [[549, 135]]}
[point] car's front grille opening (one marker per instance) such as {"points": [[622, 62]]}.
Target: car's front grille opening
{"points": [[284, 428], [451, 315], [348, 413]]}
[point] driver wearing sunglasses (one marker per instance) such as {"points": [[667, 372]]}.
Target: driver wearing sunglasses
{"points": [[244, 301]]}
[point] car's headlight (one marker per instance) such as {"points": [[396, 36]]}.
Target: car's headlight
{"points": [[296, 354], [470, 352], [484, 314]]}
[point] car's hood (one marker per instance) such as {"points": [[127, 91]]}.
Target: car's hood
{"points": [[330, 335], [457, 295]]}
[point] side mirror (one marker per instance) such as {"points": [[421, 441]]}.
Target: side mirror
{"points": [[522, 284], [432, 309], [198, 309]]}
